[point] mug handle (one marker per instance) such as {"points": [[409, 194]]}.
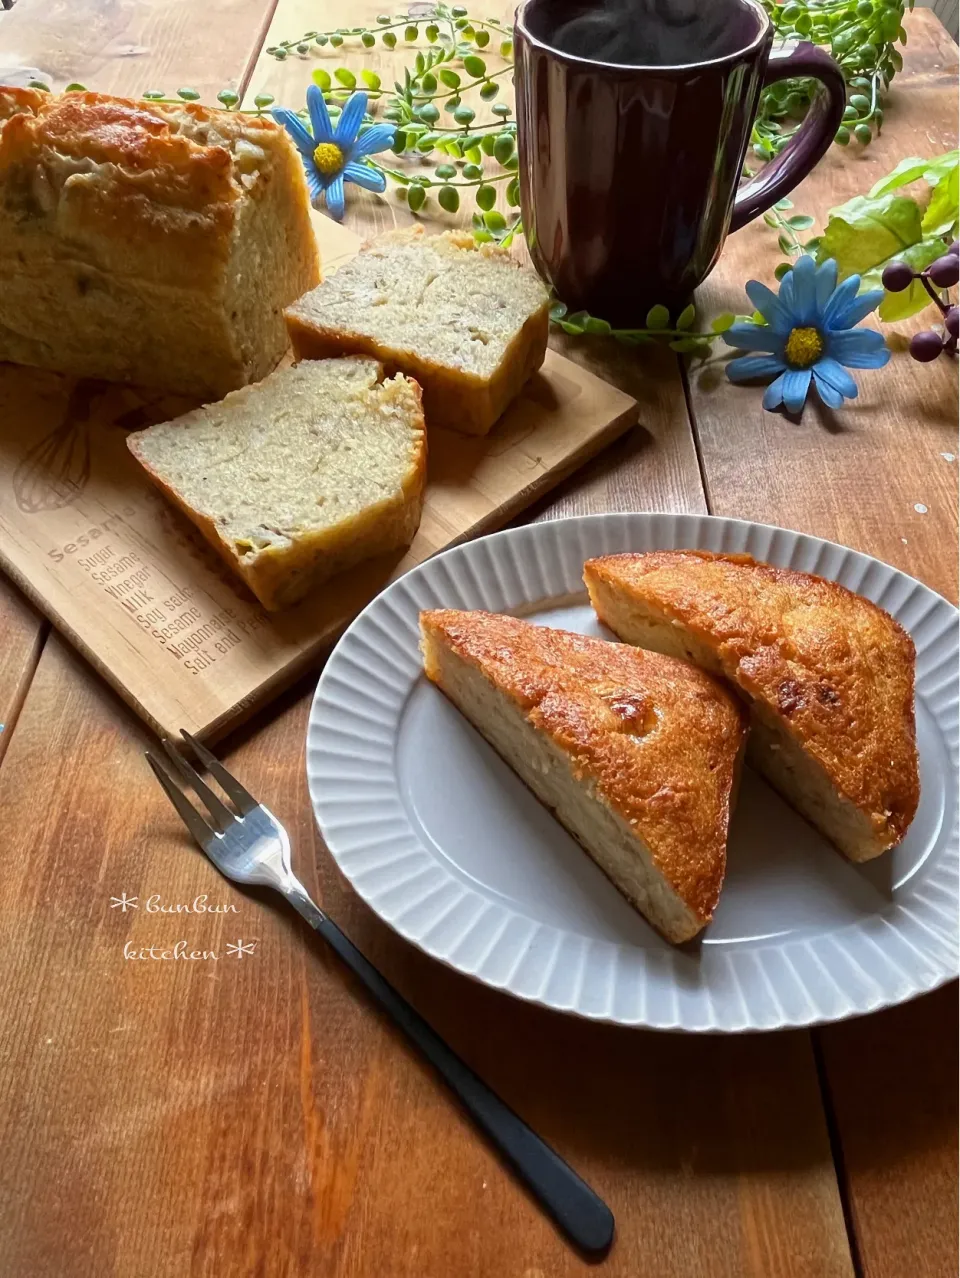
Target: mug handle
{"points": [[811, 142]]}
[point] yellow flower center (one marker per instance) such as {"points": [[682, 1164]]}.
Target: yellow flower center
{"points": [[328, 158], [803, 347]]}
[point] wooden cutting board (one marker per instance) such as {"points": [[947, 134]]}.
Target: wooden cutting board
{"points": [[139, 592]]}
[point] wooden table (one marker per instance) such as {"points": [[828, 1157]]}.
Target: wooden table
{"points": [[257, 1117]]}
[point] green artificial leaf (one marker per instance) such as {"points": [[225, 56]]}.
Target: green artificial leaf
{"points": [[865, 232], [415, 197], [686, 317], [557, 311], [907, 170], [627, 337], [912, 168], [786, 244], [486, 196], [494, 220], [370, 79], [658, 317], [345, 77], [800, 221], [723, 322], [474, 66], [782, 269], [598, 327], [513, 193], [574, 330], [942, 212], [685, 345], [322, 79], [449, 78], [941, 167]]}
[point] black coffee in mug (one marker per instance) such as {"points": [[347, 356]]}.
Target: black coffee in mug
{"points": [[659, 33], [634, 118]]}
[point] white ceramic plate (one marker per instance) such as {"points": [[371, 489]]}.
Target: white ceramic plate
{"points": [[443, 841]]}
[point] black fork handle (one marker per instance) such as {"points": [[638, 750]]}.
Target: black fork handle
{"points": [[583, 1216]]}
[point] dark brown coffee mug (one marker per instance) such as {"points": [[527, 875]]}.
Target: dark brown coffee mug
{"points": [[629, 172]]}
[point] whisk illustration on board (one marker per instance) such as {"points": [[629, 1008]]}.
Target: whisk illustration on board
{"points": [[57, 468]]}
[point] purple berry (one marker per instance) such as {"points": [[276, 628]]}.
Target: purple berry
{"points": [[952, 322], [954, 249], [926, 346], [897, 276], [945, 271]]}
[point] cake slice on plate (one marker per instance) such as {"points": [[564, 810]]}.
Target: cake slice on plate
{"points": [[828, 677], [637, 754]]}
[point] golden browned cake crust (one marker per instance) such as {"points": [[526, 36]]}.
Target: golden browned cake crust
{"points": [[148, 242], [659, 739], [836, 669]]}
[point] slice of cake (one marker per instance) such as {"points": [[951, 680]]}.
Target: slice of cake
{"points": [[467, 321], [828, 677], [299, 477], [636, 754]]}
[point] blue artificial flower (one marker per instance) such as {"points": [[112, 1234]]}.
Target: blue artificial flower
{"points": [[809, 334], [333, 156]]}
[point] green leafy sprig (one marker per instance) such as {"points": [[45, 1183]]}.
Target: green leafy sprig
{"points": [[427, 107], [446, 25], [861, 36], [680, 334], [788, 229]]}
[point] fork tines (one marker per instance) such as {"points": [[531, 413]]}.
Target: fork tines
{"points": [[221, 817]]}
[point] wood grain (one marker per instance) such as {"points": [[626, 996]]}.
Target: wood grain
{"points": [[127, 46], [132, 583], [22, 632], [256, 1116], [892, 1083]]}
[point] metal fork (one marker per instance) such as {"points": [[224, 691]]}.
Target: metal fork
{"points": [[251, 846]]}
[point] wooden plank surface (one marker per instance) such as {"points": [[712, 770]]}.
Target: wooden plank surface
{"points": [[892, 1084], [681, 1136], [879, 475], [255, 1116], [135, 586], [127, 46]]}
